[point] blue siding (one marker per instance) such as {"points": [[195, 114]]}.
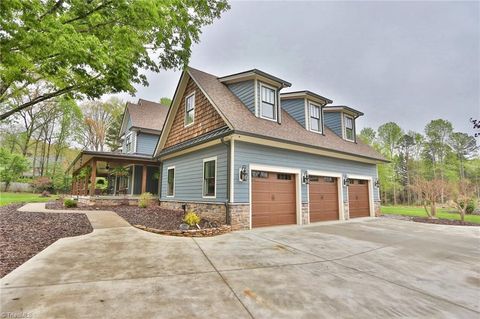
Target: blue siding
{"points": [[333, 120], [245, 91], [189, 175], [146, 143], [247, 153], [296, 108]]}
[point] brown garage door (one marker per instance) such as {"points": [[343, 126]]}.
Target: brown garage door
{"points": [[273, 199], [359, 205], [323, 197]]}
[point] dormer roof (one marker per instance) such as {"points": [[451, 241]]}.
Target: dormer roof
{"points": [[343, 108], [254, 74], [147, 114], [306, 94]]}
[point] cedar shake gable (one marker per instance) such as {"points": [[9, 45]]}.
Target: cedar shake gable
{"points": [[207, 118]]}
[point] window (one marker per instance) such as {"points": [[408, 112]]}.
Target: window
{"points": [[315, 118], [190, 109], [268, 102], [259, 174], [327, 179], [171, 182], [349, 134], [128, 143], [209, 177], [313, 178], [285, 177]]}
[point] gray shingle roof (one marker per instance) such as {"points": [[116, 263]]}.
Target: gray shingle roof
{"points": [[147, 114], [244, 121]]}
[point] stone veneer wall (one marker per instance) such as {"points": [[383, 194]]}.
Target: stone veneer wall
{"points": [[346, 211], [212, 211], [305, 214], [376, 208], [239, 216], [108, 201]]}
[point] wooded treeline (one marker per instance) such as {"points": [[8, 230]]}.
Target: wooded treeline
{"points": [[439, 154]]}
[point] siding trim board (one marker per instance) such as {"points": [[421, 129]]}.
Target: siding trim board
{"points": [[279, 169]]}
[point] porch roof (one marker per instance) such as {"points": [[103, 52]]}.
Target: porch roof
{"points": [[86, 156]]}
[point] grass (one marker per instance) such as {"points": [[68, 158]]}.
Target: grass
{"points": [[416, 211], [9, 198]]}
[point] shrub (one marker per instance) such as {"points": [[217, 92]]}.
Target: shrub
{"points": [[42, 183], [145, 200], [45, 194], [470, 206], [69, 203], [191, 219]]}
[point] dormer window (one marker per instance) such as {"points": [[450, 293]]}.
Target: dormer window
{"points": [[128, 143], [315, 114], [349, 128], [190, 109], [268, 103]]}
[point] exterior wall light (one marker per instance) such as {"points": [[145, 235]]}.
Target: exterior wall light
{"points": [[243, 173], [377, 183], [346, 181], [305, 178]]}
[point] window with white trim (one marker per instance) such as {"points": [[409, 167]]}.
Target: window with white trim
{"points": [[209, 177], [128, 143], [190, 109], [349, 129], [171, 181], [268, 103], [315, 112]]}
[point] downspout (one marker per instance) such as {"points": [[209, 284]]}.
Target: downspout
{"points": [[227, 208]]}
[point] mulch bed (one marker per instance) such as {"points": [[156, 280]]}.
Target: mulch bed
{"points": [[154, 218], [23, 234], [438, 221]]}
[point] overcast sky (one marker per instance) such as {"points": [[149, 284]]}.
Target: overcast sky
{"points": [[406, 62]]}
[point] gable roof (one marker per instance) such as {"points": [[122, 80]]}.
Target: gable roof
{"points": [[242, 76], [147, 114], [244, 121], [340, 108]]}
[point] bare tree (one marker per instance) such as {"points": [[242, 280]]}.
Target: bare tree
{"points": [[463, 192], [429, 193]]}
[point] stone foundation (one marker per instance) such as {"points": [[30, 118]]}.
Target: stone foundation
{"points": [[214, 212], [239, 216], [376, 208], [117, 201], [346, 211], [305, 214]]}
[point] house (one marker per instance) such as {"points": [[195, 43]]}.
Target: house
{"points": [[131, 171], [242, 150], [239, 150]]}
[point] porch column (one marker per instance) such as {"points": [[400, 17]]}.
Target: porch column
{"points": [[85, 186], [93, 177], [144, 179]]}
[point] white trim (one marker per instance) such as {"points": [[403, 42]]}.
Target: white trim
{"points": [[256, 97], [370, 190], [134, 141], [133, 178], [174, 177], [232, 172], [214, 158], [307, 122], [275, 104], [345, 127], [338, 176], [269, 168], [185, 110], [320, 119]]}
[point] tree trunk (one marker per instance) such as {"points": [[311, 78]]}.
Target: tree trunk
{"points": [[35, 159], [434, 209]]}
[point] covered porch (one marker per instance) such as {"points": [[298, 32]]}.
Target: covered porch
{"points": [[111, 175]]}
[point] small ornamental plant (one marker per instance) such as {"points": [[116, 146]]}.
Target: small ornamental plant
{"points": [[191, 219], [69, 203], [145, 200]]}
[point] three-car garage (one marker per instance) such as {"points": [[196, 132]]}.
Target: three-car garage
{"points": [[274, 197]]}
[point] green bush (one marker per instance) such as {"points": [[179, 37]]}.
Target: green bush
{"points": [[69, 203], [470, 206], [145, 200], [191, 219]]}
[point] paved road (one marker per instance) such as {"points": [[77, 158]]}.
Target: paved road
{"points": [[378, 268]]}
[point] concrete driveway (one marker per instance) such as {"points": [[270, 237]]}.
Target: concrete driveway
{"points": [[376, 268]]}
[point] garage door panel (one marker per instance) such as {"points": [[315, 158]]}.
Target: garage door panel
{"points": [[358, 198], [273, 199], [323, 198]]}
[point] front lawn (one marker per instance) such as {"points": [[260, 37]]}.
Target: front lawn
{"points": [[8, 198], [416, 211]]}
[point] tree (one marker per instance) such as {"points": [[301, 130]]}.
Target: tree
{"points": [[367, 135], [388, 135], [429, 193], [112, 139], [464, 146], [405, 148], [89, 48], [166, 101], [463, 193], [12, 166]]}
